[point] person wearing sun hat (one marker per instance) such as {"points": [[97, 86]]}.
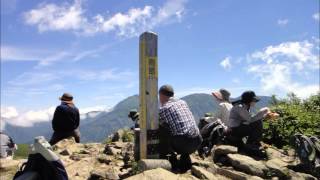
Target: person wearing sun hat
{"points": [[245, 124], [224, 108], [66, 120]]}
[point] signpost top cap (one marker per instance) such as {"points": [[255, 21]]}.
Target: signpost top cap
{"points": [[148, 35], [149, 32]]}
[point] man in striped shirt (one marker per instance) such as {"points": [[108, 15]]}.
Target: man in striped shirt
{"points": [[178, 130]]}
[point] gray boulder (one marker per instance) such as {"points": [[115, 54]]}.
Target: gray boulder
{"points": [[247, 164], [202, 173], [278, 168]]}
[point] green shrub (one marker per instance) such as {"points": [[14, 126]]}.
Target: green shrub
{"points": [[296, 116], [135, 168], [108, 140], [22, 152], [127, 135]]}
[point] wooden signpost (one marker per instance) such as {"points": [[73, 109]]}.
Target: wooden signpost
{"points": [[149, 117]]}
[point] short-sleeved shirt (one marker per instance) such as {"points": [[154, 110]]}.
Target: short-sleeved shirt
{"points": [[177, 115]]}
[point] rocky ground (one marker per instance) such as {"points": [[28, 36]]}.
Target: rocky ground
{"points": [[114, 160]]}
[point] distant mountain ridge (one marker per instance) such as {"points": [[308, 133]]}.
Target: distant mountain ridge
{"points": [[95, 126]]}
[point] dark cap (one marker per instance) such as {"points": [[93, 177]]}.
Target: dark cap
{"points": [[225, 94], [249, 96], [166, 90], [133, 114], [66, 97]]}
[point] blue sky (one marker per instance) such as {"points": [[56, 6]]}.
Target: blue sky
{"points": [[90, 48]]}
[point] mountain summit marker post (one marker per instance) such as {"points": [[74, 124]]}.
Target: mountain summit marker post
{"points": [[149, 116]]}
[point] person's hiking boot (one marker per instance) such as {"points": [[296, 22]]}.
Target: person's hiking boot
{"points": [[255, 151], [174, 162], [234, 141], [185, 163]]}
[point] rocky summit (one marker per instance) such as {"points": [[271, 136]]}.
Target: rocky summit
{"points": [[114, 160]]}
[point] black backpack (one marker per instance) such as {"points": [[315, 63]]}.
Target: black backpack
{"points": [[212, 133], [308, 151], [38, 168]]}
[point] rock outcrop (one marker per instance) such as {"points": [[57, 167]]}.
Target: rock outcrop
{"points": [[248, 165], [114, 160], [8, 167]]}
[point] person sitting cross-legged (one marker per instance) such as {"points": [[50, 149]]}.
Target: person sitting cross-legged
{"points": [[245, 124], [178, 130]]}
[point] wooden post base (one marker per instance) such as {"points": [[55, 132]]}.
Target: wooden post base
{"points": [[147, 164]]}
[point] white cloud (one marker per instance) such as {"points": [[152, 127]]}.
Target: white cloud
{"points": [[90, 53], [43, 56], [31, 91], [225, 63], [9, 112], [11, 116], [93, 108], [45, 82], [100, 75], [71, 17], [52, 17], [278, 66], [173, 8], [46, 57], [53, 58], [316, 16], [299, 54], [282, 22], [129, 24], [26, 119], [39, 78], [10, 53], [33, 78]]}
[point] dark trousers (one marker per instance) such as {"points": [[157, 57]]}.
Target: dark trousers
{"points": [[253, 131], [58, 136], [183, 145]]}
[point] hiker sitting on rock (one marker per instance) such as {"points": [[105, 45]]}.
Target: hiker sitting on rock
{"points": [[7, 146], [66, 120], [223, 98], [222, 115], [178, 130], [244, 124]]}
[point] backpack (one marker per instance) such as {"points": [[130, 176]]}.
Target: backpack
{"points": [[308, 151], [38, 168], [212, 134], [316, 143]]}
